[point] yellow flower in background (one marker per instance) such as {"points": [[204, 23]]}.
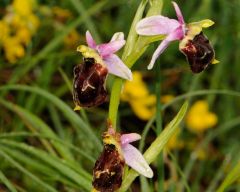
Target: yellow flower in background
{"points": [[13, 49], [23, 35], [4, 30], [17, 27], [23, 8], [135, 92], [175, 142], [143, 103], [199, 118], [33, 23], [72, 39], [135, 88], [144, 108]]}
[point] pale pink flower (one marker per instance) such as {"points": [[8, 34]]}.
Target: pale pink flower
{"points": [[178, 30], [105, 55]]}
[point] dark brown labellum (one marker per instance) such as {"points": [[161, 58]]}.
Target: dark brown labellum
{"points": [[108, 170], [89, 83], [199, 53]]}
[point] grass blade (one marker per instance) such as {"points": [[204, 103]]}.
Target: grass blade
{"points": [[80, 177], [75, 120], [6, 182], [233, 176], [26, 172]]}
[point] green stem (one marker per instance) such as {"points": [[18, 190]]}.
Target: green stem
{"points": [[117, 86], [115, 100], [159, 126]]}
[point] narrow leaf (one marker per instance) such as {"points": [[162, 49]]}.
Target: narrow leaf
{"points": [[6, 182], [25, 171], [157, 146], [233, 176]]}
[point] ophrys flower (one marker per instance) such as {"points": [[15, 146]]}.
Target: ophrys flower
{"points": [[90, 76], [104, 54], [108, 169], [193, 43]]}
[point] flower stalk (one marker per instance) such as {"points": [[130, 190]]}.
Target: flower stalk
{"points": [[134, 48], [160, 161]]}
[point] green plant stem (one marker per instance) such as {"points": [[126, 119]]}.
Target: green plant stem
{"points": [[115, 100], [160, 160], [134, 48]]}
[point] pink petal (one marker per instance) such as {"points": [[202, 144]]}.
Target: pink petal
{"points": [[135, 160], [178, 13], [90, 41], [117, 36], [116, 67], [110, 48], [128, 138], [156, 25], [175, 35]]}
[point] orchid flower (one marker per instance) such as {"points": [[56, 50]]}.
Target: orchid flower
{"points": [[104, 54], [108, 169], [193, 43], [89, 88]]}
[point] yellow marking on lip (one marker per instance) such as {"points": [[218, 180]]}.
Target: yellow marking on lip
{"points": [[77, 108], [88, 52]]}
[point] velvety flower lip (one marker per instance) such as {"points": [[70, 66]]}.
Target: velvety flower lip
{"points": [[173, 29], [107, 51], [133, 156]]}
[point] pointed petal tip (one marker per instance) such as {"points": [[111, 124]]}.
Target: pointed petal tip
{"points": [[203, 23], [130, 77], [150, 66], [178, 12], [89, 39], [81, 48], [117, 36], [77, 108], [207, 23], [149, 173], [215, 61]]}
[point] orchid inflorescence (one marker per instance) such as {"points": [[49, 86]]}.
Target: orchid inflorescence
{"points": [[99, 60]]}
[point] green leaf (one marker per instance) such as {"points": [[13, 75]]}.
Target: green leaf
{"points": [[69, 145], [156, 7], [37, 125], [25, 171], [6, 182], [132, 36], [80, 177], [80, 126], [233, 176], [157, 146]]}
